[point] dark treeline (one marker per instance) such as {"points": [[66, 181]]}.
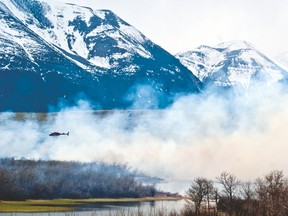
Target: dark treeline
{"points": [[30, 179], [228, 195]]}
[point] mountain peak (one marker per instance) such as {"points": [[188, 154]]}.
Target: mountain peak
{"points": [[52, 52], [235, 45], [82, 33], [234, 64]]}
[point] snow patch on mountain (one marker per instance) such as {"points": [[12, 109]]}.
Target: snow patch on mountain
{"points": [[16, 40], [201, 61], [133, 33], [99, 29], [58, 34], [101, 62], [100, 14], [13, 10], [235, 45], [131, 68]]}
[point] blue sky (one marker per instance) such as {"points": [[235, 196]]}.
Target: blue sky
{"points": [[180, 25]]}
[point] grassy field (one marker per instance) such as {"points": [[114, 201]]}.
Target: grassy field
{"points": [[42, 117], [36, 206], [60, 205]]}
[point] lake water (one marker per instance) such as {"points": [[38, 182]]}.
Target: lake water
{"points": [[175, 186], [110, 209]]}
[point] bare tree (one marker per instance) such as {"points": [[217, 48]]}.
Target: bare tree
{"points": [[215, 194], [272, 192], [200, 190], [209, 192], [266, 196], [230, 185], [247, 191]]}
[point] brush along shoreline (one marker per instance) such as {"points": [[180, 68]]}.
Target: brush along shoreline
{"points": [[63, 205]]}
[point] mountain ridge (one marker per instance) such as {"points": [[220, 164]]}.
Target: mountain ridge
{"points": [[234, 64], [57, 53], [81, 51]]}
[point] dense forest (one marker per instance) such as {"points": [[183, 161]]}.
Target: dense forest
{"points": [[22, 179]]}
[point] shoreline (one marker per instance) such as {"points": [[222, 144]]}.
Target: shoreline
{"points": [[66, 205]]}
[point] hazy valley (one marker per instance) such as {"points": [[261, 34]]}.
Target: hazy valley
{"points": [[126, 100]]}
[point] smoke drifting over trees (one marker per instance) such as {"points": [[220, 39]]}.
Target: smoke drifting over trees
{"points": [[30, 179], [203, 134]]}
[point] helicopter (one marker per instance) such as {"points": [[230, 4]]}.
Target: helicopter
{"points": [[55, 134]]}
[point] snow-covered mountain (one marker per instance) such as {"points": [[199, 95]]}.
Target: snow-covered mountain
{"points": [[51, 52], [235, 63]]}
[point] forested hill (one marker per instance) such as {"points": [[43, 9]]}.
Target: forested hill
{"points": [[30, 179]]}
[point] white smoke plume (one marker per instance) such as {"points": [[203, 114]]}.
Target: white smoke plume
{"points": [[199, 135]]}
